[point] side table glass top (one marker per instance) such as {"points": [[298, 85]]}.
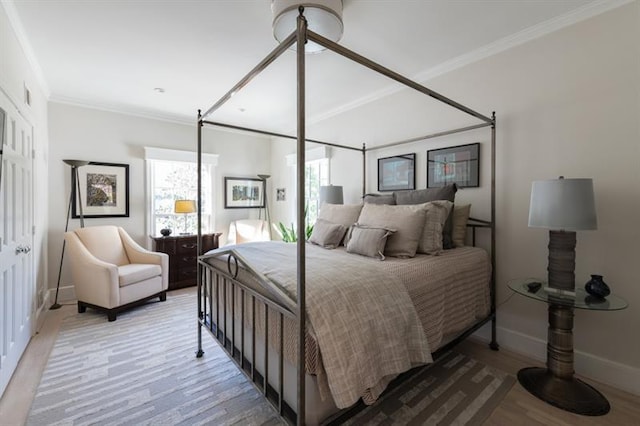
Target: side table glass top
{"points": [[582, 300]]}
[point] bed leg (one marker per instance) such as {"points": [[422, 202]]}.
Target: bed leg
{"points": [[199, 352], [494, 341]]}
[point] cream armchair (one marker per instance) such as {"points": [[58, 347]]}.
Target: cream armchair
{"points": [[247, 230], [111, 272]]}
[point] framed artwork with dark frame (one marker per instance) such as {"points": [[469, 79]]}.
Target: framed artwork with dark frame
{"points": [[243, 193], [456, 164], [104, 190], [397, 173]]}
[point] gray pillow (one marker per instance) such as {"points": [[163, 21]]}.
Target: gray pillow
{"points": [[437, 213], [379, 199], [460, 219], [344, 214], [327, 234], [408, 221], [419, 196], [368, 240]]}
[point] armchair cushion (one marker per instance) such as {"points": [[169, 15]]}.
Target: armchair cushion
{"points": [[136, 272]]}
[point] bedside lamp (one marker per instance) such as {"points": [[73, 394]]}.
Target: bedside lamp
{"points": [[563, 206], [331, 195], [186, 207]]}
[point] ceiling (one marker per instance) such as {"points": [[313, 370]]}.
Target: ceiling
{"points": [[113, 54]]}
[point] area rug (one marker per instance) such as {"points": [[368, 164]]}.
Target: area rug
{"points": [[455, 390], [142, 370]]}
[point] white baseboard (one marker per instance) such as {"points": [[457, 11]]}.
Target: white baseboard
{"points": [[603, 370], [66, 294]]}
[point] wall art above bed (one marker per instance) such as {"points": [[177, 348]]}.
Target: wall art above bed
{"points": [[456, 164], [397, 173]]}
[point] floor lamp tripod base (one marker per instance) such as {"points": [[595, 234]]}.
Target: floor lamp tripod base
{"points": [[75, 164]]}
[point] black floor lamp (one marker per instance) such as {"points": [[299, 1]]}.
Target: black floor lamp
{"points": [[75, 164], [267, 217]]}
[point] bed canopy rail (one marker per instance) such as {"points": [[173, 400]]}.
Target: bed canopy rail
{"points": [[298, 38]]}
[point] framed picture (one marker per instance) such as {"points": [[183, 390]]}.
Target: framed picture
{"points": [[457, 164], [397, 172], [281, 194], [104, 190], [243, 193]]}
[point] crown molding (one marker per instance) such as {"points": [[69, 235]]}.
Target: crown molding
{"points": [[23, 40], [140, 113], [528, 34], [124, 110]]}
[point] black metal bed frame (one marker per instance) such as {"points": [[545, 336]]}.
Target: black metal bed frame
{"points": [[213, 282]]}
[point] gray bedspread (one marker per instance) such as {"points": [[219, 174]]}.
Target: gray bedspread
{"points": [[363, 318]]}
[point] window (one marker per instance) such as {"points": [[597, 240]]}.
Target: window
{"points": [[316, 174], [172, 175]]}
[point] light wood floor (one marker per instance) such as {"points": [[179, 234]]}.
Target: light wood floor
{"points": [[518, 407]]}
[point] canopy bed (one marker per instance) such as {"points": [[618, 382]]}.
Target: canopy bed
{"points": [[255, 301]]}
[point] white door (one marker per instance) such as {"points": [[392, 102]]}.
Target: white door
{"points": [[17, 283]]}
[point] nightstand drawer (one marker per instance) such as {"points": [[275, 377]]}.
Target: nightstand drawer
{"points": [[185, 260], [187, 273], [187, 246]]}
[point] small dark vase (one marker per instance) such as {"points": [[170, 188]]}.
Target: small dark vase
{"points": [[596, 287], [165, 232]]}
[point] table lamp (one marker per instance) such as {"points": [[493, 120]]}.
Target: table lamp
{"points": [[185, 207], [331, 195], [563, 206]]}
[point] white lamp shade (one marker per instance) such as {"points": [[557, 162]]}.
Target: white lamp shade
{"points": [[323, 17], [331, 195], [563, 204]]}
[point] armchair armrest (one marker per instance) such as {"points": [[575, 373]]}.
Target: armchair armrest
{"points": [[95, 281]]}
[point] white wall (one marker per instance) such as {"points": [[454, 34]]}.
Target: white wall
{"points": [[94, 135], [567, 104], [16, 72]]}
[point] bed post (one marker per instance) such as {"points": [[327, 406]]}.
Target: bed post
{"points": [[494, 342], [199, 352], [364, 169], [301, 269]]}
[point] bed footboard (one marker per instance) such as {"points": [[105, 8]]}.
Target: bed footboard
{"points": [[229, 310]]}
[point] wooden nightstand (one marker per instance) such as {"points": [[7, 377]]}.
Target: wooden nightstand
{"points": [[183, 256]]}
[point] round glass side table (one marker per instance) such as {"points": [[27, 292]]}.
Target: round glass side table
{"points": [[556, 384]]}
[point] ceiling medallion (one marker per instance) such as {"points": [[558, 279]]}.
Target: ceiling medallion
{"points": [[324, 18]]}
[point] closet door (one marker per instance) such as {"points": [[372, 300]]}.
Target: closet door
{"points": [[17, 282]]}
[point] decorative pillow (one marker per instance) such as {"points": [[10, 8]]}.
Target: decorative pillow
{"points": [[368, 240], [437, 213], [460, 218], [327, 234], [343, 214], [420, 196], [379, 199], [408, 221]]}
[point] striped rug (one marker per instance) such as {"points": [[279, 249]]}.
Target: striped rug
{"points": [[142, 370]]}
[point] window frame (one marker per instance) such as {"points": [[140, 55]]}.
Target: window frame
{"points": [[155, 155]]}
